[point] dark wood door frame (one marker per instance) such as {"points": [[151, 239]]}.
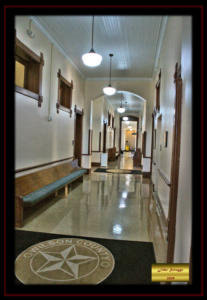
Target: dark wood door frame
{"points": [[152, 142], [104, 137], [130, 118], [175, 162], [78, 113]]}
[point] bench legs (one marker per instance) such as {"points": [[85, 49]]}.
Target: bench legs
{"points": [[66, 190], [18, 212]]}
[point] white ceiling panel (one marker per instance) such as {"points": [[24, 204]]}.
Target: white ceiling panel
{"points": [[132, 39]]}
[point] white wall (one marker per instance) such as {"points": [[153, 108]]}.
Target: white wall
{"points": [[184, 200], [177, 47], [169, 56], [36, 139]]}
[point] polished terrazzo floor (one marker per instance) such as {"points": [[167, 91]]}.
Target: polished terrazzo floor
{"points": [[111, 206]]}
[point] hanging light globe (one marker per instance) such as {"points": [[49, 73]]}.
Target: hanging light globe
{"points": [[121, 109], [109, 90], [92, 59]]}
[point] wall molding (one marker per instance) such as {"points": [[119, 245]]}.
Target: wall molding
{"points": [[96, 164], [42, 165], [165, 179], [159, 205]]}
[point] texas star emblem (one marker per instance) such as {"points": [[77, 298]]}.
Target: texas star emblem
{"points": [[64, 261]]}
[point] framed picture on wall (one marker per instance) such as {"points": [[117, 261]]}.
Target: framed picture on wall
{"points": [[165, 139]]}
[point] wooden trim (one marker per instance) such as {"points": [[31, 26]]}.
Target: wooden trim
{"points": [[40, 100], [88, 171], [29, 52], [120, 124], [100, 141], [96, 164], [32, 57], [85, 154], [59, 106], [144, 142], [162, 175], [146, 174], [175, 162], [42, 165], [80, 113], [104, 137], [96, 151], [89, 141], [158, 92], [137, 137], [26, 92], [152, 140], [18, 211]]}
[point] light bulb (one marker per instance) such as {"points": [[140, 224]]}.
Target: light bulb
{"points": [[125, 118], [121, 110], [109, 90], [92, 59]]}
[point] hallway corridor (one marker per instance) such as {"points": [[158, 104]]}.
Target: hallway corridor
{"points": [[103, 158], [111, 206]]}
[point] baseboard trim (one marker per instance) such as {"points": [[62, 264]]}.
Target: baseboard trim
{"points": [[96, 164], [146, 174]]}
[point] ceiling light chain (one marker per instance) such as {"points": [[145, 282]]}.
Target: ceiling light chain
{"points": [[109, 90], [92, 59], [111, 55], [92, 32]]}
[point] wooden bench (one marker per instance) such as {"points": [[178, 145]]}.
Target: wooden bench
{"points": [[32, 188]]}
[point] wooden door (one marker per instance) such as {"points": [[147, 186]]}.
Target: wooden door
{"points": [[78, 138]]}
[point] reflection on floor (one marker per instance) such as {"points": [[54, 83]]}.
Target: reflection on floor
{"points": [[112, 206]]}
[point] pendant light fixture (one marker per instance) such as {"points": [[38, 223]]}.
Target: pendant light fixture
{"points": [[109, 90], [92, 59], [121, 109]]}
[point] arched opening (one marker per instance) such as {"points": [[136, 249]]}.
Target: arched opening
{"points": [[110, 132]]}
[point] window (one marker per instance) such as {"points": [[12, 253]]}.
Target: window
{"points": [[158, 92], [28, 72], [64, 94]]}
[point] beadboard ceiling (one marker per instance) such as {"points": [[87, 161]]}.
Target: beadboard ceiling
{"points": [[134, 41], [131, 102]]}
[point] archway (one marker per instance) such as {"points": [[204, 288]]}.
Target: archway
{"points": [[105, 122]]}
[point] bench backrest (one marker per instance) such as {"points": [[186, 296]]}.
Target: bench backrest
{"points": [[29, 183]]}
